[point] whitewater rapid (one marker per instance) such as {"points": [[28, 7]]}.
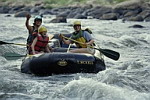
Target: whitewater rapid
{"points": [[125, 79]]}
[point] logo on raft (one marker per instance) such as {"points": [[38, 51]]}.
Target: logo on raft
{"points": [[62, 63], [85, 62]]}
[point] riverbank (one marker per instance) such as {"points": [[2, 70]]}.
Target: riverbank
{"points": [[60, 3], [134, 10]]}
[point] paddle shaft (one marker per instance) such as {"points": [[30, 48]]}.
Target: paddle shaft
{"points": [[72, 40], [2, 42], [109, 53]]}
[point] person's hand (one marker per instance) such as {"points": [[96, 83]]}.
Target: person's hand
{"points": [[87, 44], [50, 49], [84, 44], [28, 16]]}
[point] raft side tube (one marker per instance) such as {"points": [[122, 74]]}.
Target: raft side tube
{"points": [[56, 63]]}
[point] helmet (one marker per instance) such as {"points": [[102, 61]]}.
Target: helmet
{"points": [[38, 18], [77, 23], [42, 29]]}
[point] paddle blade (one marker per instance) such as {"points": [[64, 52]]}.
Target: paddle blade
{"points": [[2, 42], [110, 53], [12, 56]]}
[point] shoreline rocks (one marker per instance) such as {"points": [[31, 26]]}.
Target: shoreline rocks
{"points": [[132, 11]]}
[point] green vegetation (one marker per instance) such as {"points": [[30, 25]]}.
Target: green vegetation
{"points": [[3, 0], [60, 3], [119, 1], [55, 3]]}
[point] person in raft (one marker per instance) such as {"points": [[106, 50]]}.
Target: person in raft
{"points": [[33, 30], [84, 39], [40, 43]]}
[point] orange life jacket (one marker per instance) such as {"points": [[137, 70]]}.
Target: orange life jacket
{"points": [[41, 43]]}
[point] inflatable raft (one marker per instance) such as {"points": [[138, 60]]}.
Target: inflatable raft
{"points": [[61, 62]]}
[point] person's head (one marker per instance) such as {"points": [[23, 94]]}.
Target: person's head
{"points": [[43, 31], [37, 21], [77, 26]]}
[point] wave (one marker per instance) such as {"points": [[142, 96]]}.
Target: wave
{"points": [[89, 89]]}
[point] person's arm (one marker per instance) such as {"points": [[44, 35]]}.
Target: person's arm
{"points": [[33, 45], [64, 40], [89, 38], [48, 48], [90, 42], [29, 27]]}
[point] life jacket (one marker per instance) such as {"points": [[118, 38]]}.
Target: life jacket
{"points": [[88, 30], [32, 35], [79, 37], [41, 43]]}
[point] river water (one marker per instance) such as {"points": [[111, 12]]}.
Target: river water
{"points": [[125, 79]]}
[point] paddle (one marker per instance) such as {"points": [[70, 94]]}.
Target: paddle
{"points": [[107, 52], [2, 42], [12, 56]]}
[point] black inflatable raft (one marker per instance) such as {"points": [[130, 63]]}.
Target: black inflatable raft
{"points": [[61, 62]]}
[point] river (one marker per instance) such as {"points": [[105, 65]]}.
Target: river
{"points": [[125, 79]]}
